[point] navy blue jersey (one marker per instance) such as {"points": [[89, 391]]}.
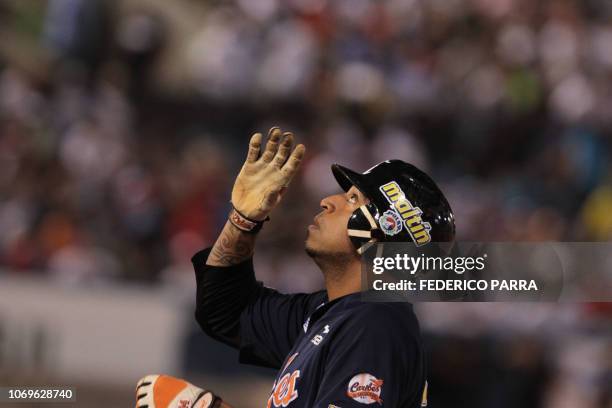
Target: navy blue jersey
{"points": [[339, 353]]}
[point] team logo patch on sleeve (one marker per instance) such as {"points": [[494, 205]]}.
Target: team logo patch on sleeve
{"points": [[365, 388]]}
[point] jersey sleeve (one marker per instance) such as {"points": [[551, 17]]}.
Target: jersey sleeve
{"points": [[271, 324], [232, 307], [375, 359]]}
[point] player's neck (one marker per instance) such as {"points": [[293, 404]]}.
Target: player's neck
{"points": [[342, 282]]}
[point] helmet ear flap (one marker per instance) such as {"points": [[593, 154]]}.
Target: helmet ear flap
{"points": [[363, 228]]}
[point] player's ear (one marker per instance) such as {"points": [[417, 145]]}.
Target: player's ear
{"points": [[362, 198]]}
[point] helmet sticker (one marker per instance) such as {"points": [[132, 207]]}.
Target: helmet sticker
{"points": [[390, 222], [411, 215]]}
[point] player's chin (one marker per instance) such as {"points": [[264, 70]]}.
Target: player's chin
{"points": [[308, 242], [310, 245]]}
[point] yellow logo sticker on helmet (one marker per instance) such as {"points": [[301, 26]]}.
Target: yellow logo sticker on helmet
{"points": [[411, 215]]}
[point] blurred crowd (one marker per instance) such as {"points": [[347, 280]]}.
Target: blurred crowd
{"points": [[108, 174], [105, 174]]}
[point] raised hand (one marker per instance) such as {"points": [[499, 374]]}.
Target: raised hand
{"points": [[264, 177]]}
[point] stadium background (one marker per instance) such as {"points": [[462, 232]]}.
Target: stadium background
{"points": [[123, 123]]}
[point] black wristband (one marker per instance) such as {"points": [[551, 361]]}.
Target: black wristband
{"points": [[244, 223]]}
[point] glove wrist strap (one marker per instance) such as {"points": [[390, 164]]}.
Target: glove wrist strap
{"points": [[244, 223], [215, 403]]}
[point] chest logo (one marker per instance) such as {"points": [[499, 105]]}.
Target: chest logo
{"points": [[365, 388], [284, 390]]}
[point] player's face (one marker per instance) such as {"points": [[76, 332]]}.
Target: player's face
{"points": [[328, 233]]}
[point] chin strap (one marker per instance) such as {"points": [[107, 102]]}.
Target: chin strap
{"points": [[373, 234]]}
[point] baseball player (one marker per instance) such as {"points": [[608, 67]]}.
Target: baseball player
{"points": [[330, 348]]}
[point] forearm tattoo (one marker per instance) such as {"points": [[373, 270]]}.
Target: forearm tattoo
{"points": [[232, 247]]}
